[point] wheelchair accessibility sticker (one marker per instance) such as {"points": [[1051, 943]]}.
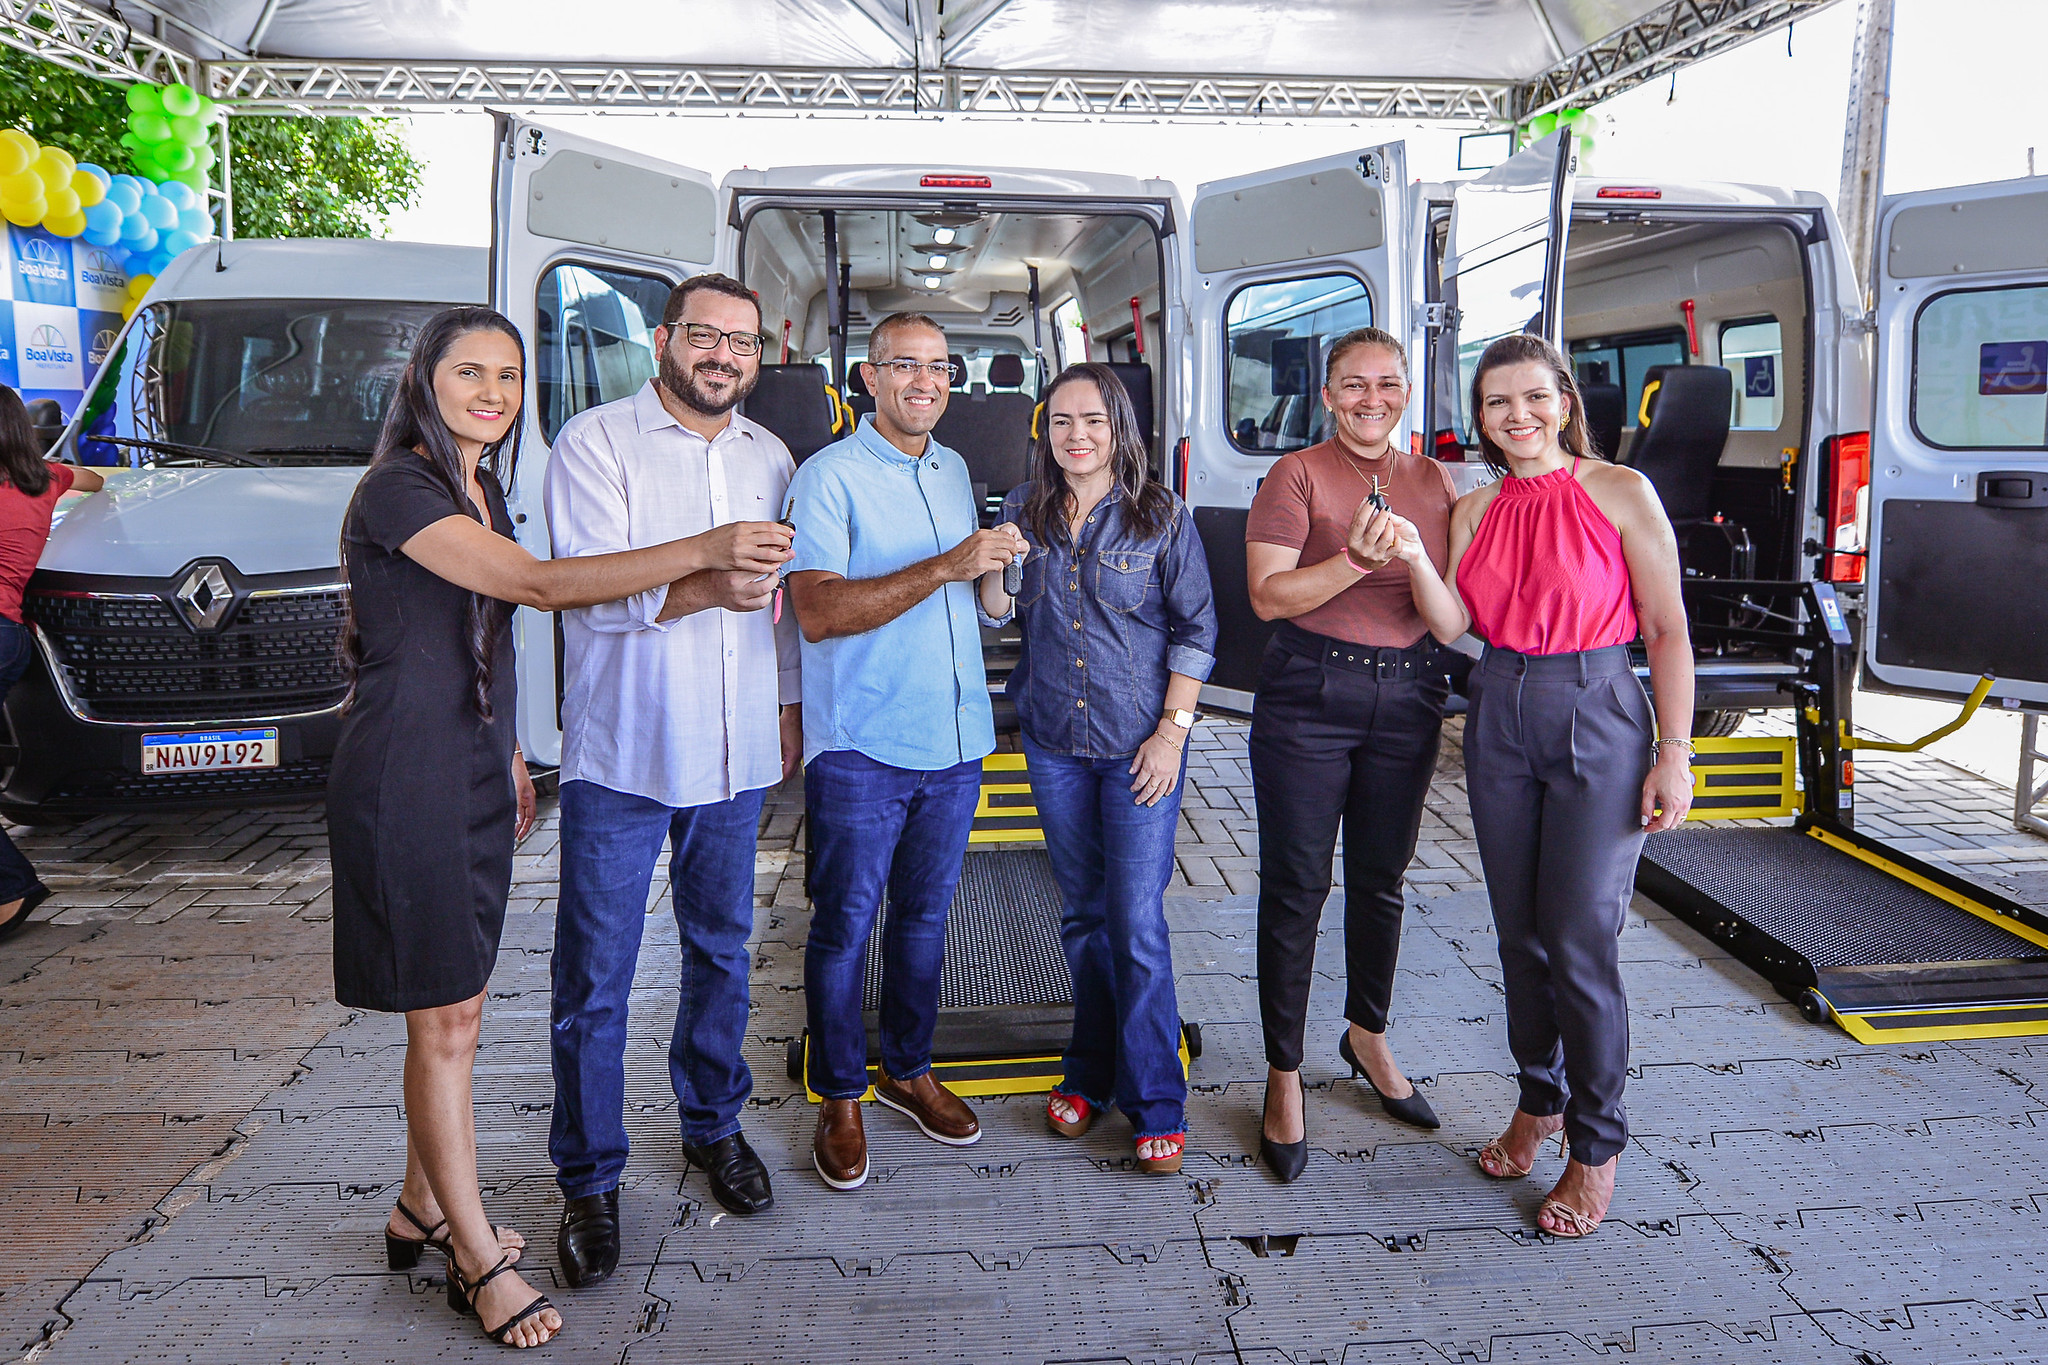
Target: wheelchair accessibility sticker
{"points": [[2005, 368]]}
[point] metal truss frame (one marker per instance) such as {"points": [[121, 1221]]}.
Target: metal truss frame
{"points": [[78, 36]]}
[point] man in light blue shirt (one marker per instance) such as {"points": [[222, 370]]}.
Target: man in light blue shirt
{"points": [[896, 723]]}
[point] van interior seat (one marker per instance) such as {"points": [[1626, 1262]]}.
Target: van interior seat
{"points": [[857, 395], [990, 426], [1605, 406], [1137, 382], [790, 400], [1680, 447]]}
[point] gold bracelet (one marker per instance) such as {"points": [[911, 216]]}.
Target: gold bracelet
{"points": [[1689, 748]]}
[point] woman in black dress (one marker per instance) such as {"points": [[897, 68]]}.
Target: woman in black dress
{"points": [[429, 792]]}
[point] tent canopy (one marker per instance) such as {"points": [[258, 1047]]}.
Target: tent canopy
{"points": [[1483, 60]]}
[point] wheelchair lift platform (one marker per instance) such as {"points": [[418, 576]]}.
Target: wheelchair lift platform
{"points": [[1889, 947]]}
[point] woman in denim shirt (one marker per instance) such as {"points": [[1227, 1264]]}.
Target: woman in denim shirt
{"points": [[1119, 634]]}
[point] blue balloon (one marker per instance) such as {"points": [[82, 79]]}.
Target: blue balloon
{"points": [[178, 192], [161, 213], [196, 221], [103, 236], [124, 194], [97, 172], [143, 244], [134, 227], [159, 261], [104, 217], [179, 242]]}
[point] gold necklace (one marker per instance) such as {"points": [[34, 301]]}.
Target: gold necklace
{"points": [[1372, 483]]}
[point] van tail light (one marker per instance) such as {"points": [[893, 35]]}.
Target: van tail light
{"points": [[1448, 447], [956, 182], [1628, 192], [1848, 465]]}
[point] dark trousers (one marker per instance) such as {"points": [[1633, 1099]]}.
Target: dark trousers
{"points": [[610, 841], [876, 830], [1557, 748], [1340, 732], [17, 877], [1112, 858]]}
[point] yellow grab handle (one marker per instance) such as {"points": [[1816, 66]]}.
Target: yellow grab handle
{"points": [[1643, 411], [1975, 700]]}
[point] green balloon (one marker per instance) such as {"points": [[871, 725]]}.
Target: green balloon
{"points": [[195, 177], [181, 100], [1570, 117], [175, 156], [1542, 126], [203, 159], [145, 99], [188, 130], [150, 127], [207, 109]]}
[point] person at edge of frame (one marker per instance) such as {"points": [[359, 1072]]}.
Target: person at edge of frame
{"points": [[1119, 633], [1559, 566], [896, 723], [1345, 722], [680, 708], [428, 793]]}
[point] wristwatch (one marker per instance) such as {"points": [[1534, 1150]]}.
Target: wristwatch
{"points": [[1184, 719]]}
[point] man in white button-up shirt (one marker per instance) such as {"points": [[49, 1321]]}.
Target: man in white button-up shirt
{"points": [[681, 706]]}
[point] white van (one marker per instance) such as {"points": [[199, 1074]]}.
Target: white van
{"points": [[1713, 327]]}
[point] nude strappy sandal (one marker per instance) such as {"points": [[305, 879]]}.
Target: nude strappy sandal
{"points": [[1579, 1224]]}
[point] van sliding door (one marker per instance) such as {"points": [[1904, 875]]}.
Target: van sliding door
{"points": [[1281, 263], [1958, 569], [1504, 268], [586, 243]]}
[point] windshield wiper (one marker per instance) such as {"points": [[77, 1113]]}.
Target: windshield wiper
{"points": [[347, 454], [179, 448]]}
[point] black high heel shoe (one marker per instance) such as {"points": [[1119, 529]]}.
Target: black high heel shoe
{"points": [[1286, 1160], [1410, 1109]]}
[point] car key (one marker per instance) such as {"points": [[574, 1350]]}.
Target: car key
{"points": [[775, 608]]}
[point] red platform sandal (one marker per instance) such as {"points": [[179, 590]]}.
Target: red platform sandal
{"points": [[1084, 1114], [1163, 1165]]}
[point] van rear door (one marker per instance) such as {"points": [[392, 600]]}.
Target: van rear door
{"points": [[1280, 263], [1503, 268], [587, 240], [1957, 577]]}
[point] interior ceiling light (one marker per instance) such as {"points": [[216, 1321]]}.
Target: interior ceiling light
{"points": [[944, 236], [937, 262], [932, 281]]}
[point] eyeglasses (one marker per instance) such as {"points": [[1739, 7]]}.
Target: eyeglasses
{"points": [[706, 338], [907, 370]]}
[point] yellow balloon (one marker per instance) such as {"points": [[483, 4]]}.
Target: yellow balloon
{"points": [[87, 187], [15, 158], [64, 225], [23, 186], [61, 203], [139, 285], [55, 166], [23, 214]]}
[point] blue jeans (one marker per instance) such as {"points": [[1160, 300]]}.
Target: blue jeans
{"points": [[875, 828], [1113, 858], [17, 877], [609, 845]]}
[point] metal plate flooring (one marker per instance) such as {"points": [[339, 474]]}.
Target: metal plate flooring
{"points": [[1788, 1195]]}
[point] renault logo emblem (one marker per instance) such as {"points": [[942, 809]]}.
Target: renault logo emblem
{"points": [[204, 597]]}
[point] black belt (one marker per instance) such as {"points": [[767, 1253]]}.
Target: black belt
{"points": [[1388, 663]]}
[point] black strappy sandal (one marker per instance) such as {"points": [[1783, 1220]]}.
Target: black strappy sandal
{"points": [[403, 1253], [462, 1298]]}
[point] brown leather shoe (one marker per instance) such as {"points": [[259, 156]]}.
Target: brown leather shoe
{"points": [[942, 1115], [839, 1149]]}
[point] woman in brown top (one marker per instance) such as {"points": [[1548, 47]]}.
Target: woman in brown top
{"points": [[1346, 720]]}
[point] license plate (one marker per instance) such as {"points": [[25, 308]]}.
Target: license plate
{"points": [[201, 751]]}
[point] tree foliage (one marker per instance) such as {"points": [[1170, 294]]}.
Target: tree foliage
{"points": [[292, 177]]}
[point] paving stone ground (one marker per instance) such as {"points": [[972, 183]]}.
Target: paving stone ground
{"points": [[199, 1145]]}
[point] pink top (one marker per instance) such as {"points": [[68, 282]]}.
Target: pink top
{"points": [[1545, 573]]}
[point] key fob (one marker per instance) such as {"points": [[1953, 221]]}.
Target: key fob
{"points": [[1013, 577]]}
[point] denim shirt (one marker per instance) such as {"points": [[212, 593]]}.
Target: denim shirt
{"points": [[1104, 621]]}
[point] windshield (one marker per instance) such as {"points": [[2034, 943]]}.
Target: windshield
{"points": [[277, 381]]}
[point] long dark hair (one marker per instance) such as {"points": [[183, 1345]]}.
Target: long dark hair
{"points": [[21, 454], [1520, 349], [414, 427], [1148, 505]]}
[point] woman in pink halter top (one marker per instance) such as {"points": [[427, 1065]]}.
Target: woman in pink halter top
{"points": [[1560, 566]]}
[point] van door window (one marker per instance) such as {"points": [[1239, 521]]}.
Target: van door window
{"points": [[1753, 350], [1276, 335], [1980, 369], [594, 338]]}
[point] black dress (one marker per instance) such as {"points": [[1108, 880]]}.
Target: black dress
{"points": [[420, 806]]}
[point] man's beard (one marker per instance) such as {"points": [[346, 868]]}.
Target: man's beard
{"points": [[683, 384]]}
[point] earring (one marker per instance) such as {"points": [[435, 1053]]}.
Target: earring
{"points": [[1564, 421]]}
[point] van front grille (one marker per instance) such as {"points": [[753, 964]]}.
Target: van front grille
{"points": [[133, 659]]}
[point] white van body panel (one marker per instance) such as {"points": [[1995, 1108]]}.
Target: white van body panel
{"points": [[900, 179], [1956, 560], [149, 523], [562, 198], [325, 268]]}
